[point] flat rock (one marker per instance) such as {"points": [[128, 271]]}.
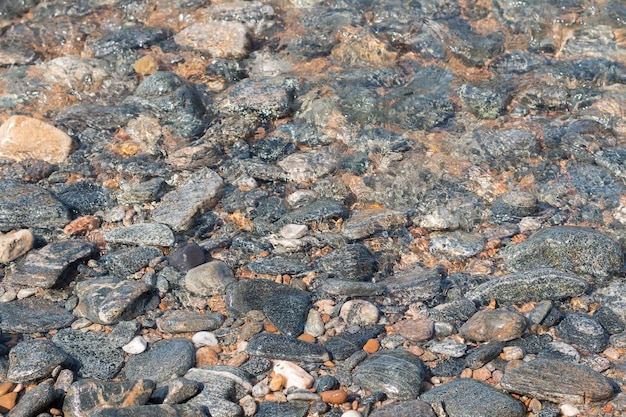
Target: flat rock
{"points": [[532, 285], [397, 373], [92, 352], [307, 166], [141, 234], [154, 410], [30, 206], [364, 223], [180, 321], [467, 397], [352, 262], [45, 267], [583, 331], [163, 359], [33, 360], [498, 325], [276, 346], [413, 408], [15, 244], [86, 396], [31, 315], [175, 391], [558, 382], [456, 245], [35, 401], [246, 295], [126, 261], [288, 312], [108, 300], [220, 39], [179, 207], [23, 137], [237, 381], [209, 279], [345, 344], [579, 250], [290, 409], [412, 284]]}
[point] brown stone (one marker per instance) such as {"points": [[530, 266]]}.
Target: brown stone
{"points": [[7, 402], [146, 65], [205, 356], [494, 326], [371, 346], [334, 396], [6, 387], [15, 244], [82, 225], [218, 38], [415, 330], [24, 137]]}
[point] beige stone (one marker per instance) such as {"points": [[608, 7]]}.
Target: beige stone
{"points": [[293, 375], [218, 38], [24, 137], [15, 244]]}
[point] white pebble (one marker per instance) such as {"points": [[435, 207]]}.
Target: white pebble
{"points": [[135, 346], [294, 231], [569, 410], [293, 374], [204, 339], [26, 292], [512, 353], [352, 413], [9, 295], [359, 313]]}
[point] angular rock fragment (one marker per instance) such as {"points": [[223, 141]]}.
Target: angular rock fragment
{"points": [[364, 223], [163, 359], [31, 315], [288, 348], [209, 279], [179, 321], [219, 39], [397, 373], [29, 206], [15, 244], [141, 234], [33, 360], [86, 396]]}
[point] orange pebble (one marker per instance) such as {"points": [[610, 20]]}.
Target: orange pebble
{"points": [[270, 328], [206, 356], [305, 337], [336, 396], [277, 383], [481, 374], [6, 387], [56, 412], [7, 402], [371, 346]]}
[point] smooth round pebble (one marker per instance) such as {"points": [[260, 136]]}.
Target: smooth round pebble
{"points": [[204, 339], [569, 410], [359, 313], [352, 413], [137, 345], [294, 231]]}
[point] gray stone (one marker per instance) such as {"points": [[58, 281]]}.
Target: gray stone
{"points": [[179, 208], [46, 266], [456, 245], [288, 312], [32, 314], [123, 332], [242, 381], [209, 279], [30, 206], [531, 285], [128, 38], [342, 287], [32, 360], [485, 101], [579, 250], [154, 410], [175, 391], [583, 331], [612, 299], [481, 355], [246, 295], [413, 408], [353, 262], [399, 374], [317, 211], [558, 382], [187, 257], [276, 346], [141, 234], [498, 325], [364, 223], [290, 409], [412, 284], [35, 401], [467, 397], [124, 262], [84, 197], [163, 359], [453, 312], [93, 354], [180, 321], [109, 300], [87, 396]]}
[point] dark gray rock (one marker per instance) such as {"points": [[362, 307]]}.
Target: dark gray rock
{"points": [[513, 206], [35, 401], [467, 397], [170, 99], [276, 346], [486, 101], [353, 262], [481, 355], [29, 206], [453, 312], [558, 382], [10, 10], [180, 321], [517, 62], [163, 359], [175, 391], [32, 360], [93, 354], [288, 312], [583, 331], [449, 367], [533, 343], [187, 257], [123, 332], [342, 287], [290, 409], [561, 351], [487, 145], [579, 250], [141, 234], [180, 207], [347, 343], [209, 279], [87, 396], [399, 374], [128, 38], [108, 300], [31, 315], [318, 211], [246, 295], [46, 266], [364, 223], [413, 408], [612, 301], [16, 53], [82, 118], [155, 410], [412, 284], [276, 265], [531, 285], [210, 375], [127, 261], [84, 197]]}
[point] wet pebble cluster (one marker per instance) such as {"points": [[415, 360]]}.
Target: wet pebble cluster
{"points": [[312, 208]]}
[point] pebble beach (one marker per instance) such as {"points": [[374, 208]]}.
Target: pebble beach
{"points": [[303, 208]]}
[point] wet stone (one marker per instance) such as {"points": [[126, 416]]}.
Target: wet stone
{"points": [[86, 396], [414, 284], [399, 374], [170, 99], [109, 300], [347, 343], [179, 208], [483, 145], [244, 296], [290, 409], [531, 285], [219, 39], [342, 287], [288, 312], [29, 206], [155, 410], [35, 401], [284, 347], [558, 382], [94, 355], [162, 360], [484, 101], [414, 408], [307, 166], [179, 321], [481, 355], [364, 223], [498, 325], [579, 250], [463, 397], [128, 38], [141, 234], [276, 265], [583, 331], [209, 279], [127, 261], [46, 266], [456, 245], [175, 391], [317, 211], [33, 360], [31, 315], [352, 262]]}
